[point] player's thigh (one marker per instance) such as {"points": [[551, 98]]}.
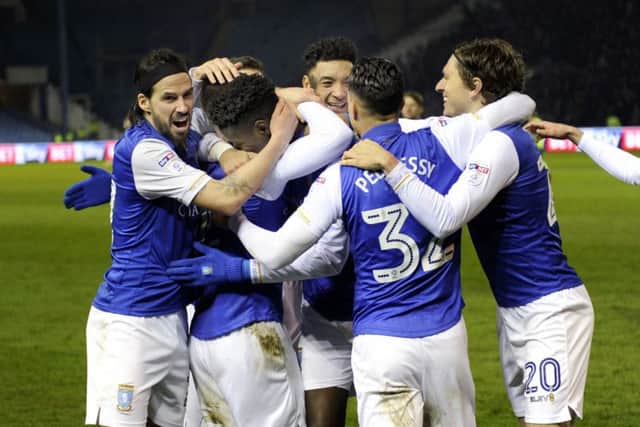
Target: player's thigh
{"points": [[325, 352], [252, 374], [133, 359], [545, 348], [447, 384], [388, 380]]}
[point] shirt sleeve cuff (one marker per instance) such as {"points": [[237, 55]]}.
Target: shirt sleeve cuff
{"points": [[398, 176]]}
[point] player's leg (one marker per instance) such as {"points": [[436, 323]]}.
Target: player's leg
{"points": [[131, 358], [545, 348], [325, 360], [171, 392], [326, 407], [448, 389], [249, 377], [388, 375]]}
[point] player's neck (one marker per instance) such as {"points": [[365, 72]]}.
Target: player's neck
{"points": [[373, 121]]}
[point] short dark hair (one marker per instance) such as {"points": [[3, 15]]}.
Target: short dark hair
{"points": [[146, 67], [243, 100], [329, 49], [417, 97], [500, 67], [248, 62], [378, 83]]}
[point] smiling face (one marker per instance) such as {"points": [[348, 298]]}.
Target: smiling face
{"points": [[328, 79], [169, 107], [457, 97]]}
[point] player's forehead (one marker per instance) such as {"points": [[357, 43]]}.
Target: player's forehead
{"points": [[337, 70], [178, 84], [450, 67]]}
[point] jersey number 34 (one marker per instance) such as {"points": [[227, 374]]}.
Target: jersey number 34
{"points": [[394, 217]]}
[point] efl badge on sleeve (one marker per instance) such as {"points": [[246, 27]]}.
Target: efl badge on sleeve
{"points": [[125, 397]]}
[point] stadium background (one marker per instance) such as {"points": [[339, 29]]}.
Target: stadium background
{"points": [[584, 66]]}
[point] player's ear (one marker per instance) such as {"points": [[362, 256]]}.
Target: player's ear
{"points": [[144, 103], [261, 127], [306, 81], [477, 86]]}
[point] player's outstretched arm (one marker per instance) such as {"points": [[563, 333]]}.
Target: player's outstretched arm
{"points": [[325, 258], [216, 267], [93, 191], [228, 195], [622, 165]]}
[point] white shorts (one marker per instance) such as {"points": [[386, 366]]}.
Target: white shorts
{"points": [[406, 381], [544, 349], [248, 378], [137, 368], [325, 351]]}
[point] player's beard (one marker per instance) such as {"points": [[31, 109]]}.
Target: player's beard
{"points": [[169, 131]]}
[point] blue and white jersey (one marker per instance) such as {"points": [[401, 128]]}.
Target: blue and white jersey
{"points": [[408, 282], [154, 183], [223, 309], [517, 236]]}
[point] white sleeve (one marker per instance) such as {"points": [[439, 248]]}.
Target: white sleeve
{"points": [[159, 172], [516, 107], [323, 259], [197, 88], [492, 166], [211, 147], [622, 165], [409, 125], [459, 135], [200, 121], [321, 207], [328, 137]]}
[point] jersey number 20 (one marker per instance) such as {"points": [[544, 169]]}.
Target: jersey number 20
{"points": [[392, 238]]}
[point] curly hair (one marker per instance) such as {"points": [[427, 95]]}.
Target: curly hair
{"points": [[378, 83], [244, 99], [500, 67], [329, 49]]}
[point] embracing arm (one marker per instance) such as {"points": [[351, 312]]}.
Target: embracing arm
{"points": [[305, 226], [328, 137], [323, 259], [492, 166]]}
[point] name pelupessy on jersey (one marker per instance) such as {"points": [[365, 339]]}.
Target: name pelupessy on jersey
{"points": [[408, 282], [147, 233], [517, 236]]}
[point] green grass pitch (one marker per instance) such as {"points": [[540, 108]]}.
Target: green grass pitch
{"points": [[52, 259]]}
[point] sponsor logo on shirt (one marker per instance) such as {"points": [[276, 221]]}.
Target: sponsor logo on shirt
{"points": [[177, 166], [479, 168], [478, 173], [443, 121], [165, 159]]}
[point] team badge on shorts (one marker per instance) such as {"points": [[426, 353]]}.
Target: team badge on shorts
{"points": [[125, 397]]}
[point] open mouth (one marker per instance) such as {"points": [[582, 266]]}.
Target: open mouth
{"points": [[182, 124], [337, 106]]}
